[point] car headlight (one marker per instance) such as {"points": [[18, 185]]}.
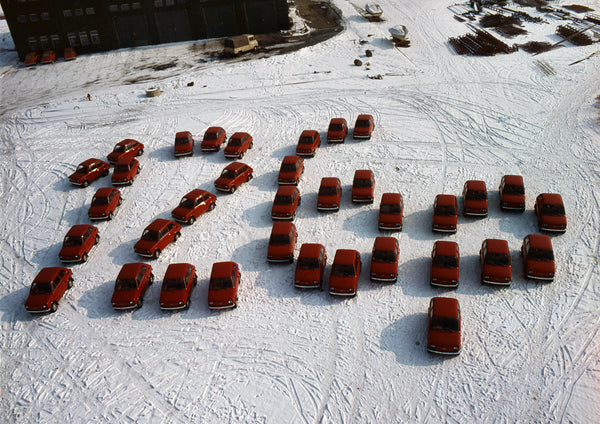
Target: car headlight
{"points": [[162, 303], [434, 279], [131, 302], [113, 303], [181, 302], [211, 303], [229, 302]]}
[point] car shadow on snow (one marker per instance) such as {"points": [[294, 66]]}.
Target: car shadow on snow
{"points": [[259, 216], [13, 309], [361, 222], [417, 226], [266, 181]]}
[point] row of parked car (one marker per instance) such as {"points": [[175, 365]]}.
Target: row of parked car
{"points": [[48, 56]]}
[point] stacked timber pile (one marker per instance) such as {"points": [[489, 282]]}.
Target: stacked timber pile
{"points": [[482, 43]]}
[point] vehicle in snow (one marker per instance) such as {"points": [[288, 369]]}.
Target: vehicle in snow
{"points": [[125, 148], [286, 201], [104, 203], [213, 139], [445, 264], [399, 33], [233, 176], [330, 192], [391, 210], [78, 243], [310, 266], [384, 259], [89, 171], [223, 285], [240, 44], [282, 242], [373, 10], [176, 290], [337, 130], [238, 145], [495, 261], [156, 236], [125, 171], [444, 326], [363, 127], [131, 285], [512, 193], [290, 171], [445, 213], [194, 204], [184, 144], [47, 288], [475, 198], [538, 257], [345, 271], [308, 143], [363, 186], [550, 212]]}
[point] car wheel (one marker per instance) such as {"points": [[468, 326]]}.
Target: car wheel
{"points": [[195, 280], [140, 303], [250, 176], [70, 283], [212, 206], [97, 240], [293, 216], [232, 190], [156, 254], [188, 303], [110, 215], [191, 220], [236, 302], [140, 152], [53, 307], [120, 201], [241, 155], [85, 183], [177, 235], [251, 145], [84, 257], [151, 279], [130, 182], [105, 173]]}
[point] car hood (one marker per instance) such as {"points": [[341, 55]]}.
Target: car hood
{"points": [[384, 267], [281, 209], [223, 181], [232, 149], [69, 251], [182, 212], [307, 275], [542, 266], [77, 177], [476, 204], [145, 245], [114, 156], [124, 297], [444, 273], [513, 198], [496, 270], [555, 220], [173, 297], [343, 282], [221, 297], [38, 300], [441, 339], [335, 134], [280, 250], [327, 199], [362, 191], [96, 210], [445, 221]]}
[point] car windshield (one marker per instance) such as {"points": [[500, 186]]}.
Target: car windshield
{"points": [[283, 200], [123, 284], [336, 127], [73, 241], [308, 263], [150, 235], [556, 210], [121, 168], [228, 173], [444, 324], [235, 141], [180, 141], [444, 261], [96, 201], [48, 54], [476, 195], [221, 283], [362, 182], [288, 167], [279, 239], [444, 210], [210, 136], [498, 259], [82, 169], [305, 140], [362, 123], [41, 288], [170, 284], [327, 191], [384, 256], [31, 56], [390, 208], [187, 203], [541, 254], [514, 189], [119, 148], [343, 270]]}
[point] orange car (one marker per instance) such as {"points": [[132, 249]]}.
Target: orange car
{"points": [[156, 236], [131, 285], [495, 261], [337, 130], [512, 193], [282, 242], [89, 171], [223, 285], [193, 205], [47, 288], [49, 56], [287, 199], [445, 213], [384, 259], [391, 210], [176, 290], [184, 144], [364, 126], [213, 139], [78, 243], [233, 176], [475, 198], [345, 272], [104, 203], [308, 143], [445, 264], [310, 266], [444, 326], [292, 168], [363, 186], [238, 145], [125, 171], [124, 149], [538, 257], [32, 58], [550, 212], [330, 192]]}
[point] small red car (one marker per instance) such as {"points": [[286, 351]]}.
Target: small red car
{"points": [[124, 149], [104, 203], [310, 266], [194, 204], [282, 242], [550, 212], [495, 261], [444, 326], [213, 139], [32, 58], [292, 168], [126, 169], [88, 171], [391, 210], [223, 285], [363, 127], [445, 264], [184, 144], [345, 271], [47, 288], [512, 193], [363, 186], [69, 54], [384, 259], [475, 198], [78, 243], [131, 285], [156, 236], [445, 213], [233, 176], [238, 145], [49, 56], [337, 130], [308, 143], [287, 199], [538, 257], [330, 192], [177, 286]]}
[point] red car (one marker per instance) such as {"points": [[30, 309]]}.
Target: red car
{"points": [[384, 259], [475, 198], [32, 58], [89, 171], [538, 257], [49, 56], [177, 286], [308, 143], [156, 236], [69, 54], [238, 145], [292, 168], [337, 130], [512, 193], [282, 242], [47, 288], [444, 326], [310, 266], [330, 192], [363, 127], [126, 169], [287, 199], [345, 271], [104, 203], [391, 210], [184, 144], [550, 212], [445, 213], [363, 186], [131, 285], [213, 139], [78, 243], [233, 176], [194, 204], [495, 262], [125, 149], [223, 285], [445, 264]]}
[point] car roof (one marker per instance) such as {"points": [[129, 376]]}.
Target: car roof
{"points": [[104, 191], [446, 199], [385, 243], [158, 223], [497, 245], [126, 160], [282, 227], [222, 269], [213, 129], [90, 161], [182, 134], [446, 248], [47, 274], [391, 198], [540, 241], [286, 190], [476, 185], [131, 270], [308, 133], [445, 306], [345, 256], [310, 250], [177, 270], [337, 121], [551, 198], [363, 173], [127, 141], [330, 181], [235, 166], [291, 159], [364, 116], [195, 193], [513, 179], [238, 134], [78, 230]]}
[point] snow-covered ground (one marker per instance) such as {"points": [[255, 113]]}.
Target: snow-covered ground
{"points": [[531, 352]]}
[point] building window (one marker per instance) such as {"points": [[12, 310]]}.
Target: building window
{"points": [[113, 8], [45, 16], [33, 17], [67, 13], [95, 37], [55, 41], [125, 7], [137, 5], [90, 11], [21, 19], [158, 3], [78, 12], [33, 43], [73, 39], [44, 42], [84, 38], [169, 2]]}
